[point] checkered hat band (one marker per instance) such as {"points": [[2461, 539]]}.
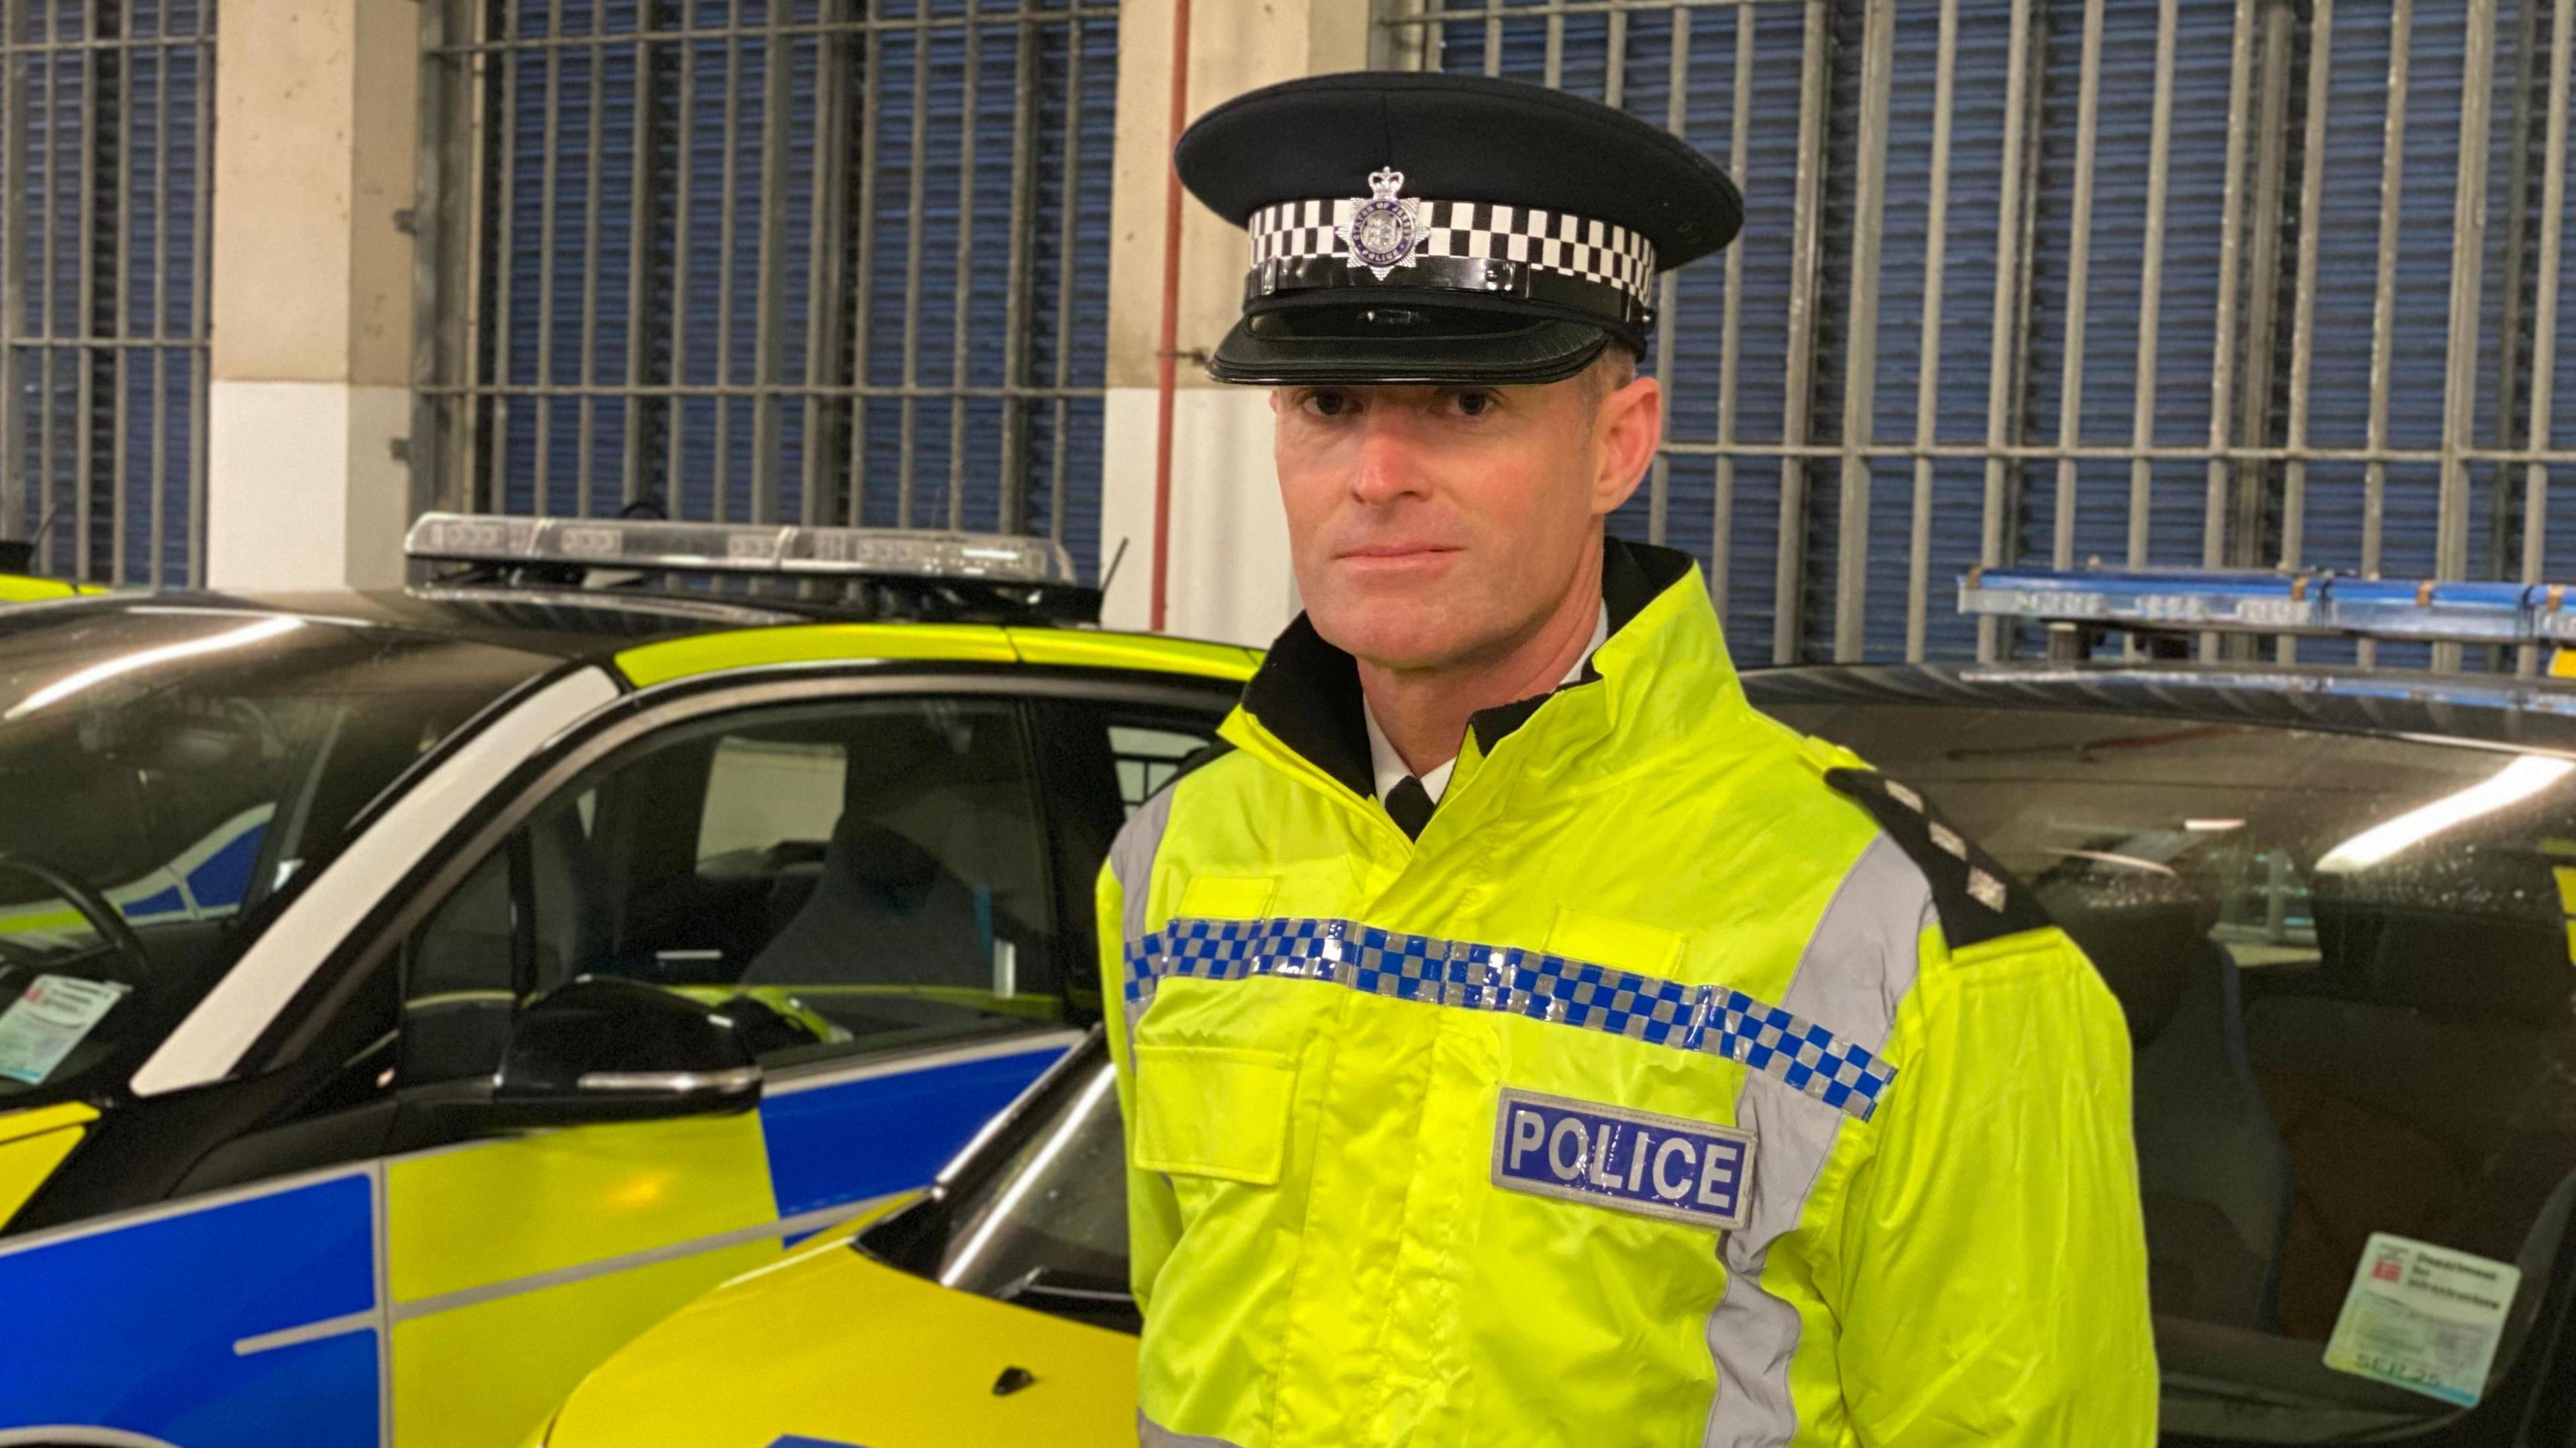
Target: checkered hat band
{"points": [[1509, 980], [1575, 246]]}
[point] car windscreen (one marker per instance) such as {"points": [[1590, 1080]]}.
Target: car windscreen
{"points": [[2345, 966], [164, 771], [1035, 1213]]}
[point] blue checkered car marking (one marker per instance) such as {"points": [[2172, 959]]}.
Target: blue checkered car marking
{"points": [[1710, 1018]]}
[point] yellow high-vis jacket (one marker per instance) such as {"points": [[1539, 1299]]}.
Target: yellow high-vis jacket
{"points": [[1684, 1083]]}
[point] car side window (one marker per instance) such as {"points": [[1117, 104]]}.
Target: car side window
{"points": [[1148, 755], [835, 878], [459, 981], [1102, 760]]}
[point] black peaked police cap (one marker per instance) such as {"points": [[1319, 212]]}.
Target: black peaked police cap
{"points": [[1417, 227]]}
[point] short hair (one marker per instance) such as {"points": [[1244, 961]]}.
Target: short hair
{"points": [[1614, 368]]}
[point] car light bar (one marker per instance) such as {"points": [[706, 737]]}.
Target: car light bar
{"points": [[2313, 601], [654, 545]]}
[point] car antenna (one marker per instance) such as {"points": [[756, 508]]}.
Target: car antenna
{"points": [[36, 540], [1111, 573]]}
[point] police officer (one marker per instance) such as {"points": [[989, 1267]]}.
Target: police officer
{"points": [[1521, 1039]]}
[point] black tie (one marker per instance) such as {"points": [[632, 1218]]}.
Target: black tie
{"points": [[1409, 805]]}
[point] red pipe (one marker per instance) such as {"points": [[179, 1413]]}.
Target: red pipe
{"points": [[1168, 354]]}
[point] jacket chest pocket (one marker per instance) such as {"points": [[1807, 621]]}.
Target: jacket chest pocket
{"points": [[1216, 1064], [1214, 1111]]}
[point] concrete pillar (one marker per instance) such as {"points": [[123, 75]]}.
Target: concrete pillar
{"points": [[1229, 560], [316, 123]]}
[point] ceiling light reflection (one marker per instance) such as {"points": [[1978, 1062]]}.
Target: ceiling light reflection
{"points": [[96, 674], [2125, 862], [1006, 1211], [2518, 781]]}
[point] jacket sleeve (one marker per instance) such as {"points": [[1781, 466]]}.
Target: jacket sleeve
{"points": [[1153, 1213], [1994, 1278]]}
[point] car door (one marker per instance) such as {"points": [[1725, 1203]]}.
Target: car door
{"points": [[888, 895]]}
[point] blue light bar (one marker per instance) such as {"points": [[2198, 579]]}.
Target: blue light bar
{"points": [[2271, 602], [2482, 613], [682, 547], [2313, 601], [2551, 618]]}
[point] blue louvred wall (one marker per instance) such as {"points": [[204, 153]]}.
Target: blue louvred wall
{"points": [[2347, 260]]}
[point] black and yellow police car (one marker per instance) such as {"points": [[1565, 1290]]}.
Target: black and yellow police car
{"points": [[407, 997]]}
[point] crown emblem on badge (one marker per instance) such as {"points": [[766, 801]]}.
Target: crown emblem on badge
{"points": [[1384, 227]]}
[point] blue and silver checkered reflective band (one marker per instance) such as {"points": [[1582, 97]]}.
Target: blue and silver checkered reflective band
{"points": [[1711, 1018]]}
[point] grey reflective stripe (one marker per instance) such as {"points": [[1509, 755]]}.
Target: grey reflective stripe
{"points": [[1150, 1434], [1857, 968], [1131, 864]]}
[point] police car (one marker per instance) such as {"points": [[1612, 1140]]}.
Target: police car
{"points": [[19, 585], [405, 998], [2336, 907]]}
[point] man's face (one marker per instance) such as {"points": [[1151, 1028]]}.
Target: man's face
{"points": [[1434, 526]]}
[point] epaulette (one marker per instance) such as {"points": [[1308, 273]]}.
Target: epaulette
{"points": [[1978, 899]]}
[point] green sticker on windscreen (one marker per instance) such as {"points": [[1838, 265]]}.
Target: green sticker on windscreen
{"points": [[49, 1019], [2423, 1318]]}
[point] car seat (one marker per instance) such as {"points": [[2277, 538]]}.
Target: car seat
{"points": [[2212, 1168], [2213, 1175], [885, 912]]}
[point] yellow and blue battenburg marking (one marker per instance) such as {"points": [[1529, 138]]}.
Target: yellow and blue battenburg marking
{"points": [[1714, 1019], [169, 1326], [212, 1322]]}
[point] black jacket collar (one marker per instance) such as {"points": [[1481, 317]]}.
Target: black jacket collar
{"points": [[1307, 692]]}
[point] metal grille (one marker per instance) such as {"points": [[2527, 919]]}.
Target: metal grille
{"points": [[809, 261], [2058, 280], [105, 111]]}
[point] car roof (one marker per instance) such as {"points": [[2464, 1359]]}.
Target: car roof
{"points": [[560, 625], [2481, 708], [657, 637]]}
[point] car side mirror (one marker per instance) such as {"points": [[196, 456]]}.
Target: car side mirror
{"points": [[614, 1050]]}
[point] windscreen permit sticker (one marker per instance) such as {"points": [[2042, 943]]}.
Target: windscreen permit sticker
{"points": [[2424, 1318], [54, 1015]]}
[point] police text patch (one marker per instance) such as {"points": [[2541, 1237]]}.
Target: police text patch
{"points": [[1631, 1161]]}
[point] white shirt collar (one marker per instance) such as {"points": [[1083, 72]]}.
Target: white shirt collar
{"points": [[1388, 766]]}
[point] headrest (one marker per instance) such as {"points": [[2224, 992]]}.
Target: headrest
{"points": [[2483, 939], [2144, 952], [896, 758], [890, 866]]}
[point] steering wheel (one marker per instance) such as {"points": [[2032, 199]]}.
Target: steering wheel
{"points": [[93, 907]]}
